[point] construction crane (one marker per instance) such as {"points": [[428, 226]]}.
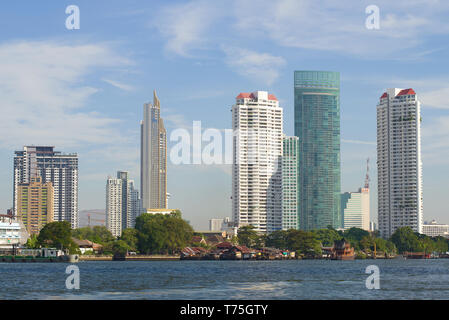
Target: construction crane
{"points": [[367, 174], [89, 219]]}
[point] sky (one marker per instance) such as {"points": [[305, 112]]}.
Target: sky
{"points": [[83, 90]]}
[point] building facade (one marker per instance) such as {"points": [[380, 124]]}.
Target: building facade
{"points": [[215, 224], [290, 178], [130, 200], [399, 167], [12, 233], [153, 167], [35, 204], [434, 229], [257, 161], [355, 209], [55, 167], [122, 203], [114, 198], [219, 224], [317, 124]]}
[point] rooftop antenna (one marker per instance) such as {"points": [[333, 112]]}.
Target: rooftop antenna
{"points": [[367, 174]]}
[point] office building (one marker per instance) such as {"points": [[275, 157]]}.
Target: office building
{"points": [[317, 125], [257, 165], [434, 229], [219, 224], [290, 191], [355, 209], [399, 167], [153, 167], [215, 224], [51, 166]]}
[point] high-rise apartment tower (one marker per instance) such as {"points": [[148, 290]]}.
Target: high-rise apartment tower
{"points": [[257, 161]]}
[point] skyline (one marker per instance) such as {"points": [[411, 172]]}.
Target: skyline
{"points": [[105, 78]]}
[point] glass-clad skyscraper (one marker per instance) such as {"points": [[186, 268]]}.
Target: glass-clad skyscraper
{"points": [[317, 124]]}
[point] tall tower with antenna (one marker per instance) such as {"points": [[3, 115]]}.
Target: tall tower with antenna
{"points": [[367, 174]]}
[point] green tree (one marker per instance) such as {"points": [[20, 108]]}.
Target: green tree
{"points": [[405, 240], [159, 233], [130, 236], [120, 248], [355, 235], [303, 242], [390, 247], [59, 235], [425, 243], [97, 234], [367, 242], [277, 239], [327, 236], [440, 244], [247, 236], [32, 242]]}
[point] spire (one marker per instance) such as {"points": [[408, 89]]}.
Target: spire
{"points": [[367, 174], [156, 101]]}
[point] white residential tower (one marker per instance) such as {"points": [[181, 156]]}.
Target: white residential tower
{"points": [[399, 167], [257, 161]]}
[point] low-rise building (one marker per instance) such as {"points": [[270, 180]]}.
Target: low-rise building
{"points": [[12, 232], [88, 246], [434, 229], [160, 211]]}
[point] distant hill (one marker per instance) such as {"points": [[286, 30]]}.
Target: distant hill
{"points": [[97, 217]]}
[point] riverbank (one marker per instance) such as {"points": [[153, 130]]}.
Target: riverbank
{"points": [[155, 257]]}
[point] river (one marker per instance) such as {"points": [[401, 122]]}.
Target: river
{"points": [[196, 280]]}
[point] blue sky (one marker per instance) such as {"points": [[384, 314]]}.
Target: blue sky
{"points": [[83, 90]]}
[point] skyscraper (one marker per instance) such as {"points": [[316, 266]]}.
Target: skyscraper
{"points": [[55, 167], [290, 192], [35, 204], [114, 206], [122, 203], [257, 167], [355, 209], [153, 167], [355, 206], [399, 167], [317, 124], [130, 200]]}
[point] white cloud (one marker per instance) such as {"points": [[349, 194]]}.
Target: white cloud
{"points": [[259, 67], [43, 95], [186, 25], [432, 92], [119, 85], [435, 141], [437, 98], [334, 26]]}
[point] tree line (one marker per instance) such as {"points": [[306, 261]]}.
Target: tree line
{"points": [[153, 234], [309, 243], [168, 234]]}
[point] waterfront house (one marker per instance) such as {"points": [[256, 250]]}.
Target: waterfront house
{"points": [[215, 239], [224, 245], [88, 246], [198, 240], [193, 253], [340, 250]]}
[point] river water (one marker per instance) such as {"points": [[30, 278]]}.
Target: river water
{"points": [[224, 280]]}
